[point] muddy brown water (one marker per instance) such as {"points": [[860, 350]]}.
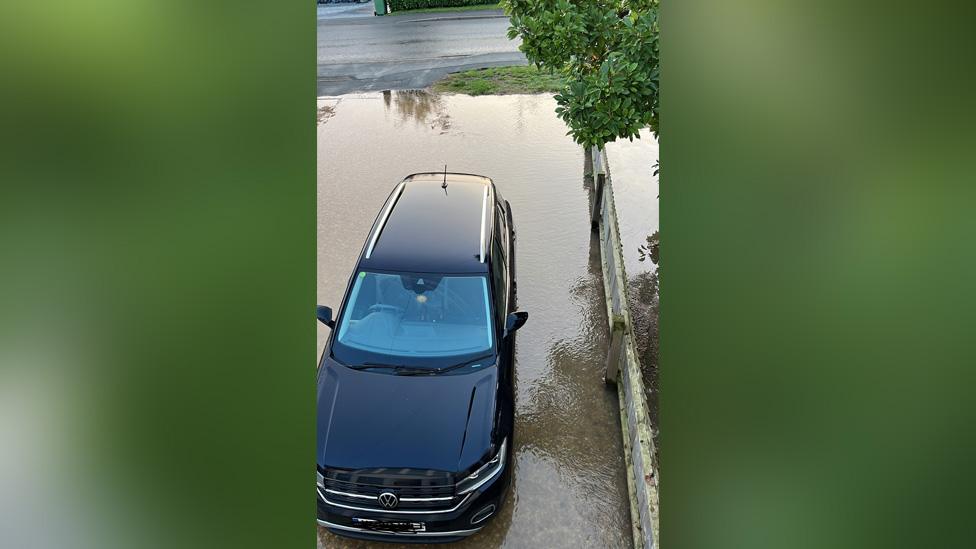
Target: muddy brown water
{"points": [[569, 487], [632, 165]]}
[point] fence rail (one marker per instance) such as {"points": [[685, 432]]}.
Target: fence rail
{"points": [[623, 365]]}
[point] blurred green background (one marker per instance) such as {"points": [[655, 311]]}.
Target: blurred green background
{"points": [[157, 245], [817, 303], [157, 257]]}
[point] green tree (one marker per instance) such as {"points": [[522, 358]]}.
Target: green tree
{"points": [[608, 51]]}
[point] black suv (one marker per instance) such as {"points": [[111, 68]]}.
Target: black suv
{"points": [[415, 386]]}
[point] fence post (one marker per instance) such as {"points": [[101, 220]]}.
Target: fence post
{"points": [[599, 182], [618, 329]]}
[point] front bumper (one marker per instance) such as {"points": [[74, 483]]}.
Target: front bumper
{"points": [[455, 524], [401, 537]]}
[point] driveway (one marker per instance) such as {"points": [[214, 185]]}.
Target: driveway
{"points": [[360, 52], [569, 487]]}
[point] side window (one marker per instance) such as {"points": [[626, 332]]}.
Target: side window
{"points": [[501, 230], [499, 280]]}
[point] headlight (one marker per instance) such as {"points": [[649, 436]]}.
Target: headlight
{"points": [[319, 480], [484, 473]]}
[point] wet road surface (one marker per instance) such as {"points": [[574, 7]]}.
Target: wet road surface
{"points": [[344, 9], [357, 54], [569, 488]]}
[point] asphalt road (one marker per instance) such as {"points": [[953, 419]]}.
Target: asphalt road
{"points": [[360, 52]]}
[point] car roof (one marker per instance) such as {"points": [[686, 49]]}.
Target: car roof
{"points": [[424, 227]]}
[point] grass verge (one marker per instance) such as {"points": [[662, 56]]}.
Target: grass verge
{"points": [[486, 6], [500, 81]]}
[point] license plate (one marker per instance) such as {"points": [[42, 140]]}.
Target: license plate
{"points": [[390, 526]]}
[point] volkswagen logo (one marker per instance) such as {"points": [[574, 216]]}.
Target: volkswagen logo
{"points": [[388, 500]]}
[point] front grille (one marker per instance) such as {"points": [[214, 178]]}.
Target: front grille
{"points": [[362, 488]]}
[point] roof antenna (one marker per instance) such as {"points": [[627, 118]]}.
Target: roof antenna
{"points": [[444, 184]]}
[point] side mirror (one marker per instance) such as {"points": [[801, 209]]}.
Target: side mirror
{"points": [[325, 315], [515, 320]]}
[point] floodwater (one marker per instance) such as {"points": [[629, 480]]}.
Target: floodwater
{"points": [[632, 166], [569, 486]]}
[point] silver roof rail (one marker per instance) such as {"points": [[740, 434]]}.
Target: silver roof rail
{"points": [[484, 213], [386, 214]]}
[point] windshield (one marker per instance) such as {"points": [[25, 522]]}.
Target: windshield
{"points": [[390, 317]]}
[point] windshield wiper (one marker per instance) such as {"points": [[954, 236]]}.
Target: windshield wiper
{"points": [[398, 369], [461, 364], [401, 370]]}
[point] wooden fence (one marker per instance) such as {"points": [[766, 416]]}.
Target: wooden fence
{"points": [[623, 365]]}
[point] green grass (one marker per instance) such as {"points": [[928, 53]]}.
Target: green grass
{"points": [[500, 81], [486, 6]]}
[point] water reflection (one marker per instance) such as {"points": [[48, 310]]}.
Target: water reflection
{"points": [[560, 427], [324, 113], [423, 107], [643, 298]]}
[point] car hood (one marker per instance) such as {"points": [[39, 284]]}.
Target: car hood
{"points": [[371, 420]]}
